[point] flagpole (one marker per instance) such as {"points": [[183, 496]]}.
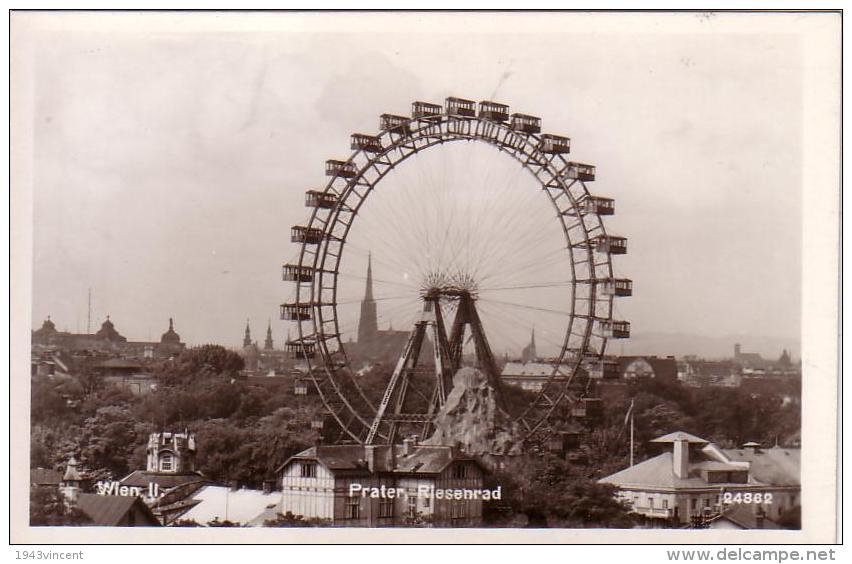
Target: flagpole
{"points": [[631, 438]]}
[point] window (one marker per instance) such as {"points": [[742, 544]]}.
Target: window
{"points": [[426, 502], [309, 469], [460, 471], [651, 502], [412, 506], [458, 510], [665, 504], [352, 508], [167, 463], [706, 502], [386, 507]]}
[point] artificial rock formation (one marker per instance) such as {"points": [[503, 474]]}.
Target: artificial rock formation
{"points": [[472, 420]]}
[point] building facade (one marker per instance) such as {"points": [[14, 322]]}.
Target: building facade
{"points": [[383, 485], [695, 479], [106, 340]]}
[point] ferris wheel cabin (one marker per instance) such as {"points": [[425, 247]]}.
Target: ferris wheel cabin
{"points": [[598, 205], [525, 123], [554, 144], [621, 287], [580, 171], [611, 244], [295, 312], [425, 109], [460, 107], [363, 142], [343, 169], [394, 124], [615, 329], [317, 199], [300, 349], [588, 408], [592, 204], [302, 234], [297, 273], [493, 111]]}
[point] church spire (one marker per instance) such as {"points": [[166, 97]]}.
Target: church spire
{"points": [[368, 293], [368, 324], [529, 353], [247, 338], [268, 345]]}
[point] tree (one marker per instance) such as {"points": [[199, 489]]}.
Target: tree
{"points": [[109, 439], [48, 508], [251, 454], [201, 363], [551, 492]]}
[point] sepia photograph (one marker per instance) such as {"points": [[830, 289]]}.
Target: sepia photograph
{"points": [[372, 276]]}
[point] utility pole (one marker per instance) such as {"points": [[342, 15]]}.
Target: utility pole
{"points": [[89, 316]]}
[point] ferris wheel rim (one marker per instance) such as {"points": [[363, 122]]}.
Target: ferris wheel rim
{"points": [[437, 130]]}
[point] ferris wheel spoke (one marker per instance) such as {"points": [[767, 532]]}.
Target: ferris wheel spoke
{"points": [[529, 307], [556, 284], [527, 270], [458, 217]]}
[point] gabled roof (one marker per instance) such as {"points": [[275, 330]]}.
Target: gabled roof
{"points": [[680, 436], [109, 510]]}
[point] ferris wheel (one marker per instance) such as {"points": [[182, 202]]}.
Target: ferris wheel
{"points": [[472, 254]]}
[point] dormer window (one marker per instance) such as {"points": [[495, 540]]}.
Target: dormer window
{"points": [[167, 463], [309, 469]]}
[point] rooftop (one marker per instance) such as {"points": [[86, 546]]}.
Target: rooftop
{"points": [[109, 510], [775, 466], [224, 504], [422, 460], [141, 479]]}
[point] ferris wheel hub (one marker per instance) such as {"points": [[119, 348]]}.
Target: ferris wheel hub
{"points": [[438, 284]]}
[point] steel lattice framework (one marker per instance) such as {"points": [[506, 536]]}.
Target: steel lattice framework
{"points": [[334, 209]]}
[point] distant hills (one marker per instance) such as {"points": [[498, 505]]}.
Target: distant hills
{"points": [[681, 344]]}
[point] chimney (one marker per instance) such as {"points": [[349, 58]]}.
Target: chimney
{"points": [[267, 486], [680, 460], [234, 485], [370, 456], [737, 350]]}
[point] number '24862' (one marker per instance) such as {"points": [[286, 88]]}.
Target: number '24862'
{"points": [[746, 497]]}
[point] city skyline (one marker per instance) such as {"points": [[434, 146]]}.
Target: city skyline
{"points": [[148, 208]]}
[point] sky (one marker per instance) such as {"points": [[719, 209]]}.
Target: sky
{"points": [[171, 156]]}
